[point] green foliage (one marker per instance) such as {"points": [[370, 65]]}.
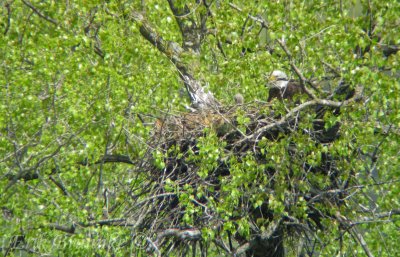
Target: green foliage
{"points": [[91, 85]]}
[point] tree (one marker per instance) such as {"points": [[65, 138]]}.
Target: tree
{"points": [[119, 136]]}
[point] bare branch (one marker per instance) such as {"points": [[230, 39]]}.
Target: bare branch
{"points": [[302, 106], [192, 32], [31, 173], [221, 244], [67, 229], [273, 227], [377, 217], [200, 98], [303, 80], [260, 20], [333, 69], [108, 222], [355, 233], [38, 12], [184, 234], [60, 185], [7, 6], [109, 158]]}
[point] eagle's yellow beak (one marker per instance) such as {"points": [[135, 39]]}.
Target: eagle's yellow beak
{"points": [[272, 78]]}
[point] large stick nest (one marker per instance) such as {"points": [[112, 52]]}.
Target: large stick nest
{"points": [[177, 138]]}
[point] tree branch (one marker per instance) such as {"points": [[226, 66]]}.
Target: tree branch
{"points": [[302, 106], [38, 12], [182, 234], [192, 33], [8, 7], [376, 217], [353, 232], [200, 98], [303, 80], [67, 229], [60, 185], [107, 222], [357, 235], [72, 228], [31, 172], [273, 227], [263, 23]]}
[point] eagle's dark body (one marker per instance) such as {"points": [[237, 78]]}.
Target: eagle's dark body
{"points": [[281, 87], [292, 88]]}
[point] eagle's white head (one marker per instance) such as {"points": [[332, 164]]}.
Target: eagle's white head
{"points": [[278, 79]]}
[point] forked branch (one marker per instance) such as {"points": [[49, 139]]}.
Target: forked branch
{"points": [[200, 98], [38, 12]]}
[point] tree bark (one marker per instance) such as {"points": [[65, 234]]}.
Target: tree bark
{"points": [[200, 98]]}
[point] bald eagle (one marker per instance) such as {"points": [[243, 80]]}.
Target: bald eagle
{"points": [[281, 87]]}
